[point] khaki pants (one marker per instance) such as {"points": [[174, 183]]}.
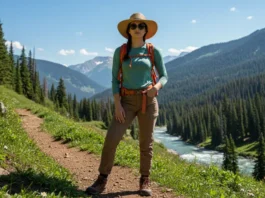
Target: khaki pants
{"points": [[132, 105]]}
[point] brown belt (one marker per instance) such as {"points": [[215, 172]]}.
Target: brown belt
{"points": [[126, 92]]}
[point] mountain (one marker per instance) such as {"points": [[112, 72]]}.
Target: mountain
{"points": [[170, 58], [213, 65], [98, 69], [75, 82]]}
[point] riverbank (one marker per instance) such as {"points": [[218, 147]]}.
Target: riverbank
{"points": [[247, 149]]}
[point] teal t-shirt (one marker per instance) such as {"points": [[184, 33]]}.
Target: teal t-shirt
{"points": [[138, 76]]}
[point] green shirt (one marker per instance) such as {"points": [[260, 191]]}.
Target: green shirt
{"points": [[138, 76]]}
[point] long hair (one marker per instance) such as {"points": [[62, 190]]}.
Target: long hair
{"points": [[129, 41]]}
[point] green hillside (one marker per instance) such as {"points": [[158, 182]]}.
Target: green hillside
{"points": [[187, 179]]}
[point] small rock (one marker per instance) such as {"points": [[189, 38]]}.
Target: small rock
{"points": [[169, 190], [2, 109], [66, 155], [3, 171]]}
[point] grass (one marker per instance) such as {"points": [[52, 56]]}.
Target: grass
{"points": [[187, 179]]}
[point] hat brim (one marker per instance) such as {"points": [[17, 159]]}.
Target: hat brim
{"points": [[152, 27]]}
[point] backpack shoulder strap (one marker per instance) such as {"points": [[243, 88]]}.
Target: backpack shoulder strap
{"points": [[151, 52], [123, 50], [150, 49]]}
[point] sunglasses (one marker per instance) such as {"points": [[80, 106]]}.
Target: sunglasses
{"points": [[140, 26]]}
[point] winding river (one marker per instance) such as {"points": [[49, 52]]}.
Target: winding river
{"points": [[190, 152]]}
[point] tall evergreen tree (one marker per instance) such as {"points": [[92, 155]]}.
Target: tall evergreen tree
{"points": [[37, 88], [75, 108], [259, 168], [25, 76], [31, 67], [52, 93], [234, 160], [45, 88], [12, 65], [61, 94], [18, 79], [6, 77], [227, 164], [230, 157]]}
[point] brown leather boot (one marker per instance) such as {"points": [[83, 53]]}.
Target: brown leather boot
{"points": [[98, 186], [145, 184]]}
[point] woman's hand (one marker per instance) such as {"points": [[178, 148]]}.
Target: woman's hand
{"points": [[119, 113], [152, 92]]}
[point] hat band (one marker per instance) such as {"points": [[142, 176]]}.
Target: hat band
{"points": [[138, 19]]}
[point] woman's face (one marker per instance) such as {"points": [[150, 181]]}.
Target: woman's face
{"points": [[137, 29]]}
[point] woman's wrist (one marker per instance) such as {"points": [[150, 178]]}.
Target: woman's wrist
{"points": [[158, 86]]}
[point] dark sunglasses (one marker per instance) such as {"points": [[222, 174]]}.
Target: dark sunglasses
{"points": [[140, 26]]}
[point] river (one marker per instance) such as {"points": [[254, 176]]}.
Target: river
{"points": [[190, 152]]}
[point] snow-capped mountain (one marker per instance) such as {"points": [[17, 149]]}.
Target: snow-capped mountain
{"points": [[97, 69]]}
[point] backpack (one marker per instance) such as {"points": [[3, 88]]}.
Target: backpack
{"points": [[150, 50]]}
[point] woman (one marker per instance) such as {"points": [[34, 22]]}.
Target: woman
{"points": [[134, 95]]}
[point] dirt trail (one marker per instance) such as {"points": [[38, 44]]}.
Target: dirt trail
{"points": [[123, 182]]}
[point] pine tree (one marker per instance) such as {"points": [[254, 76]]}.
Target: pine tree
{"points": [[45, 88], [227, 164], [234, 161], [61, 94], [31, 67], [75, 108], [6, 77], [52, 93], [25, 76], [70, 105], [37, 88], [230, 157], [12, 65], [259, 168], [18, 79]]}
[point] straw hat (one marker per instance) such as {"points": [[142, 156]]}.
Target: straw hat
{"points": [[152, 25]]}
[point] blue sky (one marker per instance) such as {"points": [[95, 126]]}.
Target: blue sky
{"points": [[71, 32]]}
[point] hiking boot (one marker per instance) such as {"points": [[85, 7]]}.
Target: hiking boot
{"points": [[145, 184], [98, 186]]}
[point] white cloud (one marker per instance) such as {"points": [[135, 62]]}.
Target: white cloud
{"points": [[86, 53], [66, 52], [16, 44], [65, 65], [178, 51], [109, 49], [79, 33], [233, 9], [40, 49], [249, 17], [193, 21]]}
